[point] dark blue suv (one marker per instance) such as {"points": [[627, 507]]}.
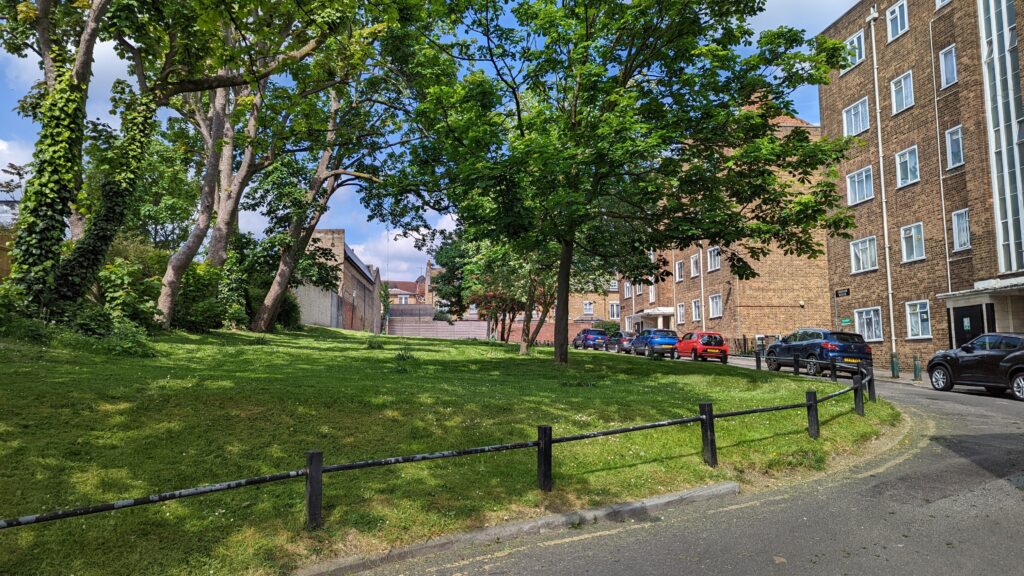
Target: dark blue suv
{"points": [[653, 342], [815, 347]]}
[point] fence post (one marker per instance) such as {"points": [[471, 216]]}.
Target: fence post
{"points": [[796, 363], [858, 394], [871, 383], [832, 367], [812, 414], [314, 490], [544, 480], [757, 359], [707, 434]]}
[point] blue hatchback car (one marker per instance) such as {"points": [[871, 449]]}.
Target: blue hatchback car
{"points": [[652, 342], [815, 347]]}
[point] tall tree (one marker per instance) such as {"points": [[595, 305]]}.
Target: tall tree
{"points": [[612, 127]]}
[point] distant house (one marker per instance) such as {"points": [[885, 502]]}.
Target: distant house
{"points": [[356, 305], [403, 292]]}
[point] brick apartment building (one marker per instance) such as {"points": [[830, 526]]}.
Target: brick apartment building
{"points": [[702, 293], [356, 305], [934, 94], [416, 291]]}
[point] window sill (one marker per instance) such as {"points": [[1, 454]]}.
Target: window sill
{"points": [[715, 270], [911, 183], [960, 165], [964, 249], [901, 111], [851, 68], [950, 85], [859, 272], [874, 340], [920, 337], [921, 259], [864, 201]]}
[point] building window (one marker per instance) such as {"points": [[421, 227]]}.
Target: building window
{"points": [[919, 322], [863, 255], [653, 294], [403, 299], [613, 286], [860, 186], [628, 289], [941, 3], [906, 167], [868, 323], [588, 308], [897, 19], [695, 310], [679, 270], [715, 306], [714, 258], [640, 289], [855, 118], [913, 242], [856, 45], [947, 66], [614, 311], [954, 147], [902, 93], [694, 266], [680, 313], [961, 230]]}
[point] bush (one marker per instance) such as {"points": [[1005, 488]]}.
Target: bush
{"points": [[608, 326], [288, 315], [91, 319], [19, 327], [198, 307], [127, 339], [128, 293]]}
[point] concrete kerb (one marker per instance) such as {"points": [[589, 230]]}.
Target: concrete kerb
{"points": [[643, 510]]}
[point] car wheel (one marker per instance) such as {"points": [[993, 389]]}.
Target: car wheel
{"points": [[813, 368], [996, 390], [647, 351], [703, 358], [1017, 386], [725, 358], [772, 362], [693, 355], [673, 355], [943, 382]]}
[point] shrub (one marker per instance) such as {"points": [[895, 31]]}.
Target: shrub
{"points": [[288, 315], [607, 325], [91, 319], [19, 327], [198, 307], [127, 339], [127, 293]]}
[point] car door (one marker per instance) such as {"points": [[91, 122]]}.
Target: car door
{"points": [[969, 368], [686, 343], [640, 341], [989, 364]]}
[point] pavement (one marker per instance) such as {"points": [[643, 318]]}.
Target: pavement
{"points": [[948, 500]]}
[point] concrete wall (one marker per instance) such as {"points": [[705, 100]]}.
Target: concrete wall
{"points": [[430, 329], [318, 307]]}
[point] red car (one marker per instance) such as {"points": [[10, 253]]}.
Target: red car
{"points": [[703, 345]]}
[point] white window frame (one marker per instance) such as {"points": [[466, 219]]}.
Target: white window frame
{"points": [[680, 270], [614, 311], [867, 117], [872, 240], [903, 244], [906, 81], [894, 10], [403, 297], [949, 146], [712, 311], [857, 322], [639, 289], [681, 313], [628, 289], [867, 173], [958, 239], [714, 259], [613, 286], [694, 265], [944, 74], [927, 310], [941, 3], [853, 43], [588, 305], [917, 162], [652, 294], [695, 310]]}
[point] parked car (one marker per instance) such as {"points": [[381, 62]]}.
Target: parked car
{"points": [[995, 361], [652, 342], [621, 341], [815, 347], [703, 345], [593, 338]]}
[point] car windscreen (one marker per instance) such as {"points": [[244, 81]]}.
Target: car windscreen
{"points": [[628, 334], [711, 340], [847, 338], [664, 334], [596, 332]]}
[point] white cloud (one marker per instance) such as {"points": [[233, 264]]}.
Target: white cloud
{"points": [[15, 152], [397, 258], [252, 222], [810, 15]]}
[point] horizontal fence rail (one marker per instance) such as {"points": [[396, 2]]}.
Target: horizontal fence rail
{"points": [[314, 470]]}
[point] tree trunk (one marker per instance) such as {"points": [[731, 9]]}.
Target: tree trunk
{"points": [[562, 303], [267, 313], [540, 324], [181, 259], [531, 304]]}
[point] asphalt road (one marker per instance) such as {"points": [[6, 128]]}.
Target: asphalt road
{"points": [[949, 500]]}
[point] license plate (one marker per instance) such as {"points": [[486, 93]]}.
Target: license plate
{"points": [[852, 360], [713, 350], [666, 346]]}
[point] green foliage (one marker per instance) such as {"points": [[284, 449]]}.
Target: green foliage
{"points": [[92, 320], [127, 293], [289, 316], [608, 326], [199, 307], [405, 355], [374, 344]]}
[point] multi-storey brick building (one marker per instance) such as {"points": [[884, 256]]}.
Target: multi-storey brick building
{"points": [[934, 94], [702, 293]]}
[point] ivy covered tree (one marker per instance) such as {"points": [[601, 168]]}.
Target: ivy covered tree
{"points": [[612, 127]]}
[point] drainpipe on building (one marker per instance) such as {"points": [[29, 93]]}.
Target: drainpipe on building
{"points": [[885, 206], [703, 315], [942, 171], [675, 301]]}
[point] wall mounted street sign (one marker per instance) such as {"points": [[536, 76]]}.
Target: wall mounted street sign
{"points": [[842, 293], [845, 321]]}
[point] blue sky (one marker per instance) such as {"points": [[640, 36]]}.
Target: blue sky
{"points": [[397, 258]]}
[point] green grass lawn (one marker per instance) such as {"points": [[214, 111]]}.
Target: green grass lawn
{"points": [[79, 429]]}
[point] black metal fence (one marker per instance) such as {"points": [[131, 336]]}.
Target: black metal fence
{"points": [[863, 379]]}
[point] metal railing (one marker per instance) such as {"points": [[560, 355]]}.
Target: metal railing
{"points": [[314, 470]]}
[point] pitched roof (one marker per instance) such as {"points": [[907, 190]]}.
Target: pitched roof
{"points": [[403, 285], [350, 254]]}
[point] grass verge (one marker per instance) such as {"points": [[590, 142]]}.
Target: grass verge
{"points": [[78, 428]]}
